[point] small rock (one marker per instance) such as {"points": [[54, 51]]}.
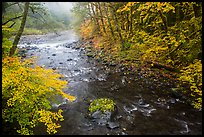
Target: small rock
{"points": [[63, 106], [112, 64], [96, 114], [77, 47], [69, 59], [118, 117], [61, 63], [90, 128], [102, 122], [172, 101], [89, 55], [124, 129], [123, 133], [112, 125], [53, 54], [76, 70]]}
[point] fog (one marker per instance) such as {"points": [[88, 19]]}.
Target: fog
{"points": [[59, 6], [61, 11]]}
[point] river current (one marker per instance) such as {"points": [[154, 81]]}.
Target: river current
{"points": [[143, 106]]}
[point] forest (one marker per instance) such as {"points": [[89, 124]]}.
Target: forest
{"points": [[136, 42]]}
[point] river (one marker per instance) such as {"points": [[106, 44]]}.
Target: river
{"points": [[143, 106]]}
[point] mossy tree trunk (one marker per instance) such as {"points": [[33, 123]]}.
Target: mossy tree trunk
{"points": [[20, 31]]}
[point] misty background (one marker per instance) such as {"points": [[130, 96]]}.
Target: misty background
{"points": [[61, 11]]}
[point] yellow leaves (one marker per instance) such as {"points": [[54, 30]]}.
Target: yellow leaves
{"points": [[26, 89], [46, 118], [165, 6], [126, 7], [69, 97], [193, 75], [24, 131], [154, 52]]}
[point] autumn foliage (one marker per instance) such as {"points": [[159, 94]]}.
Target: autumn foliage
{"points": [[27, 92], [134, 33]]}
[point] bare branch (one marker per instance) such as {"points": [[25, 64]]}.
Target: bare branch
{"points": [[11, 19], [11, 4]]}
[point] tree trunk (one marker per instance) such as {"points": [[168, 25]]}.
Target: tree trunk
{"points": [[94, 16], [131, 20], [20, 31], [89, 9], [197, 9], [109, 22], [103, 25], [162, 66], [128, 22], [164, 20], [117, 27], [178, 10]]}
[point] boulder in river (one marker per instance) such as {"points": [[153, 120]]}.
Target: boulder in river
{"points": [[102, 111]]}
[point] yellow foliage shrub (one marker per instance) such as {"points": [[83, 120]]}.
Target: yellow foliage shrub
{"points": [[26, 91], [192, 74]]}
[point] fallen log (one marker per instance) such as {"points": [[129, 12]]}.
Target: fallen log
{"points": [[162, 66]]}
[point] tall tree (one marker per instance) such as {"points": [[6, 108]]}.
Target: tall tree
{"points": [[109, 22], [101, 17], [20, 31], [95, 16]]}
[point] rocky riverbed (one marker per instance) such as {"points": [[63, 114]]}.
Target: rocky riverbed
{"points": [[145, 105]]}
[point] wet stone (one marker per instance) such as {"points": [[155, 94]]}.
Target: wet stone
{"points": [[112, 125], [96, 114], [123, 133], [90, 128], [68, 46], [63, 106], [77, 47], [119, 117], [76, 70], [101, 122], [69, 59], [172, 101]]}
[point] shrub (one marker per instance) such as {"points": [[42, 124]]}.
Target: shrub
{"points": [[192, 75], [26, 91], [102, 104]]}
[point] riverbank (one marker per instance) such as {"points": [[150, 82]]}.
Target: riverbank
{"points": [[133, 66], [145, 103]]}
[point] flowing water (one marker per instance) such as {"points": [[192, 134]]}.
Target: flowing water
{"points": [[143, 106]]}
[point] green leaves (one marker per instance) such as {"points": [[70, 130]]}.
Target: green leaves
{"points": [[102, 104], [192, 74], [26, 92], [165, 32]]}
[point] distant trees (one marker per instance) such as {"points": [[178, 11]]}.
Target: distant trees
{"points": [[27, 89], [168, 33]]}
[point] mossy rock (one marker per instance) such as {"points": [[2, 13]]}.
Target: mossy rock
{"points": [[90, 55], [102, 104]]}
